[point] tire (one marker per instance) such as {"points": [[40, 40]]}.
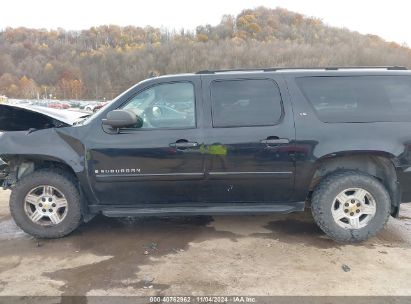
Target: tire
{"points": [[63, 191], [342, 184]]}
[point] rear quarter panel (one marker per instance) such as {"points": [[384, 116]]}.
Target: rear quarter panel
{"points": [[316, 140]]}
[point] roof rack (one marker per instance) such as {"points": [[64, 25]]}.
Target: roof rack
{"points": [[391, 68]]}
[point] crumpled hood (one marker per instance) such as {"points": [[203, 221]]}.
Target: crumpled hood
{"points": [[20, 118]]}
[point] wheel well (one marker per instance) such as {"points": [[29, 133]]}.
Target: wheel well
{"points": [[20, 166], [55, 165], [381, 168]]}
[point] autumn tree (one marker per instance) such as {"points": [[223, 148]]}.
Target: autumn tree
{"points": [[27, 88], [105, 60]]}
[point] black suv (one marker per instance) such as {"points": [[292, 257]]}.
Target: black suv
{"points": [[336, 140]]}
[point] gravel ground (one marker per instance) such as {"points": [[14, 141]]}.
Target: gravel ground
{"points": [[221, 255]]}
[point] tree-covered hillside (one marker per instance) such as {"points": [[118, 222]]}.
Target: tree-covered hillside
{"points": [[103, 61]]}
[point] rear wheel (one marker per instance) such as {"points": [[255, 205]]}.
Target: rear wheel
{"points": [[351, 206], [46, 204]]}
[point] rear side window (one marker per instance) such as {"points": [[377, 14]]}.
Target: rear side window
{"points": [[237, 103], [359, 98]]}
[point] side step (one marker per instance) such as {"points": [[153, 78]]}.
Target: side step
{"points": [[122, 211]]}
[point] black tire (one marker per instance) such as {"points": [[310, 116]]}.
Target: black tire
{"points": [[323, 198], [65, 184]]}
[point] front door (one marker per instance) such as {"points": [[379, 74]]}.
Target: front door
{"points": [[249, 140], [160, 159]]}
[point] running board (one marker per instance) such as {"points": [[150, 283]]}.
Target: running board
{"points": [[122, 211]]}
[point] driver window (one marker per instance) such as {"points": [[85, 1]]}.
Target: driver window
{"points": [[169, 105]]}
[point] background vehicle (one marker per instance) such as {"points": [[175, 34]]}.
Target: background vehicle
{"points": [[99, 106], [222, 142], [90, 106], [58, 105]]}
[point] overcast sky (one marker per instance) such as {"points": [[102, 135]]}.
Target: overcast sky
{"points": [[388, 19]]}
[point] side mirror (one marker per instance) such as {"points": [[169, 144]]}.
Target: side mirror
{"points": [[120, 119]]}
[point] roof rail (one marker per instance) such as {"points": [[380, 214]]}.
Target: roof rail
{"points": [[391, 68]]}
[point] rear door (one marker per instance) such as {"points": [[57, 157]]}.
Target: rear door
{"points": [[249, 139]]}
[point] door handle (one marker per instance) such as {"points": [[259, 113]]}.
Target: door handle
{"points": [[274, 140], [184, 144]]}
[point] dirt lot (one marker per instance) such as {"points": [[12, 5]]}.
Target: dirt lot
{"points": [[222, 255]]}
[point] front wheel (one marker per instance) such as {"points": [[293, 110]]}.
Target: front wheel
{"points": [[46, 204], [351, 206]]}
